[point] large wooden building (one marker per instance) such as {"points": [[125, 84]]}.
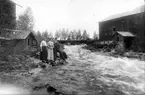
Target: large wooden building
{"points": [[128, 26]]}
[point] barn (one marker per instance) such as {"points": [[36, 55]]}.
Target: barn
{"points": [[128, 28]]}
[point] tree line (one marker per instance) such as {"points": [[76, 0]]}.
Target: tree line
{"points": [[26, 22], [65, 34]]}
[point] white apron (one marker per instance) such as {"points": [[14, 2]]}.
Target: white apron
{"points": [[50, 47]]}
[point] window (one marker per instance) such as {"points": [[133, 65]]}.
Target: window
{"points": [[114, 29], [122, 25], [28, 41]]}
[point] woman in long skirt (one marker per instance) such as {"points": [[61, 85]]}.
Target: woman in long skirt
{"points": [[43, 52], [50, 46]]}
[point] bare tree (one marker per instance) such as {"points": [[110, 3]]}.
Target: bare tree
{"points": [[57, 34], [79, 35], [64, 34], [85, 36], [95, 36], [39, 37], [74, 34], [50, 35], [45, 34], [26, 21]]}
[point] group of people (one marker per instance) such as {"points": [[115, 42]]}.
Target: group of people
{"points": [[51, 50]]}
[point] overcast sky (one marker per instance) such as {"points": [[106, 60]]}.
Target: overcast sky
{"points": [[74, 14]]}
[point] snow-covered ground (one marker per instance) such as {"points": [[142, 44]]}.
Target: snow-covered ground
{"points": [[127, 75]]}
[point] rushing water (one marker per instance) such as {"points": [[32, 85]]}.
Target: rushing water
{"points": [[7, 89], [126, 74]]}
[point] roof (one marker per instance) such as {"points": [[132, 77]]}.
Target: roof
{"points": [[137, 10], [20, 34], [9, 34], [15, 3], [3, 38], [12, 1], [125, 34]]}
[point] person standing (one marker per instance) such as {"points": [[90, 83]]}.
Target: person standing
{"points": [[56, 49], [50, 46], [43, 51], [62, 53]]}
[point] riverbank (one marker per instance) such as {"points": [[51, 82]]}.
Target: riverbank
{"points": [[112, 52]]}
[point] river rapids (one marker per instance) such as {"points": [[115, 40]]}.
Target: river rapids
{"points": [[124, 74]]}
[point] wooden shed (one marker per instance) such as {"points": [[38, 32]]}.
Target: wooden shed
{"points": [[17, 40], [124, 39]]}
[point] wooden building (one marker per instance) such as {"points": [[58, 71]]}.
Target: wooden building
{"points": [[7, 14], [12, 40], [17, 39], [129, 25]]}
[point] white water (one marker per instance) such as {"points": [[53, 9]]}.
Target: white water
{"points": [[126, 74], [7, 89]]}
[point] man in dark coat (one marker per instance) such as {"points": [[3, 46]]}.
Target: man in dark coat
{"points": [[58, 48], [62, 52]]}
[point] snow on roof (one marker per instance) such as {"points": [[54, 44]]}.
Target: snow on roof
{"points": [[126, 34], [137, 10]]}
